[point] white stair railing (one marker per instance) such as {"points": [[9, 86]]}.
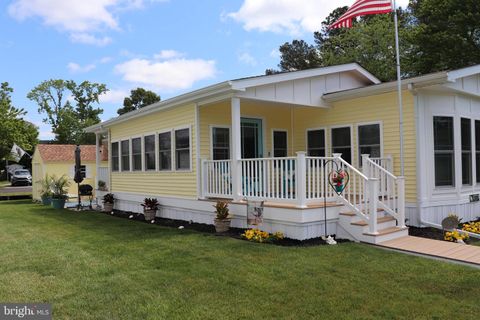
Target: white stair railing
{"points": [[391, 189]]}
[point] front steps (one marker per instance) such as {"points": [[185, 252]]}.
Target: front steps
{"points": [[354, 228]]}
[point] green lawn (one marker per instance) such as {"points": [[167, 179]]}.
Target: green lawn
{"points": [[94, 266], [4, 183]]}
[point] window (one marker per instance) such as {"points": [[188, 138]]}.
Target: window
{"points": [[466, 151], [316, 143], [369, 141], [165, 150], [149, 143], [477, 148], [125, 149], [341, 143], [280, 148], [220, 143], [115, 156], [137, 154], [443, 151], [182, 149]]}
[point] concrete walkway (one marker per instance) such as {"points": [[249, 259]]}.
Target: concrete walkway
{"points": [[436, 248]]}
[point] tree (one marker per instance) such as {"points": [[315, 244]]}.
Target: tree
{"points": [[444, 34], [68, 122], [139, 98], [13, 128]]}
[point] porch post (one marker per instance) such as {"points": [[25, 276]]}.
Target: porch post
{"points": [[365, 167], [236, 149], [401, 201], [97, 158], [301, 179], [373, 199]]}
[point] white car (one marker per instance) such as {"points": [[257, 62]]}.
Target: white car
{"points": [[21, 177]]}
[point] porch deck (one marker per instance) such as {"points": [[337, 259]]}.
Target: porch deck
{"points": [[436, 248]]}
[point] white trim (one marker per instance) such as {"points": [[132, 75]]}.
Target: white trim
{"points": [[210, 130], [324, 137], [273, 130], [144, 159], [189, 127], [264, 131], [131, 152], [198, 164], [361, 124], [172, 163], [464, 72], [352, 149]]}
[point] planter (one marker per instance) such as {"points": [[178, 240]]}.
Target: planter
{"points": [[107, 207], [46, 201], [149, 214], [222, 225], [58, 203]]}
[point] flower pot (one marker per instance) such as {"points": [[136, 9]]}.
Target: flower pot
{"points": [[339, 188], [46, 201], [149, 214], [107, 207], [58, 203], [222, 225]]}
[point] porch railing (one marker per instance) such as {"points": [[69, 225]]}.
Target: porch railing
{"points": [[217, 178], [391, 189], [103, 174]]}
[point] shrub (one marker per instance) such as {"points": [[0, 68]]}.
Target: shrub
{"points": [[221, 210], [60, 187], [150, 204], [102, 185], [257, 235], [46, 187], [108, 198]]}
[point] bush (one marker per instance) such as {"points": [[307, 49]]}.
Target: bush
{"points": [[60, 187], [108, 198], [150, 204], [221, 210], [46, 187]]}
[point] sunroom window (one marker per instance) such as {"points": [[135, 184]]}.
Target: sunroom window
{"points": [[182, 149], [137, 154], [149, 143], [466, 151], [165, 150], [115, 157], [444, 151], [125, 149]]}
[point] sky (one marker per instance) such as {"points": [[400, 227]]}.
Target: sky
{"points": [[167, 46]]}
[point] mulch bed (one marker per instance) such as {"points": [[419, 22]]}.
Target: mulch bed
{"points": [[430, 233], [207, 228]]}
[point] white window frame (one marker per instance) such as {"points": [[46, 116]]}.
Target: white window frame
{"points": [[174, 148], [352, 147], [446, 189], [129, 154], [213, 126], [380, 123], [172, 153], [273, 141], [141, 152], [324, 137], [144, 158], [111, 156]]}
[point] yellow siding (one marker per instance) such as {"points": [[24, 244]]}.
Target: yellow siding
{"points": [[181, 184], [40, 169], [379, 108], [274, 117]]}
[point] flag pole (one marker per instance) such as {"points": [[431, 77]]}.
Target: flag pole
{"points": [[399, 88]]}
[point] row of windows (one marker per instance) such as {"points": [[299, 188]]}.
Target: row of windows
{"points": [[126, 153], [368, 142], [444, 150]]}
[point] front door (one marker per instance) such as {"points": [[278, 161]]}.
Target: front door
{"points": [[252, 138]]}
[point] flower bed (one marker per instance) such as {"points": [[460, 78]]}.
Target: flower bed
{"points": [[473, 227]]}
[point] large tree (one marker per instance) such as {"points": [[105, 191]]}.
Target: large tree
{"points": [[139, 98], [69, 120], [13, 128]]}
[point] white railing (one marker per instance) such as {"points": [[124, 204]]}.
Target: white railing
{"points": [[317, 170], [103, 174], [391, 189], [217, 178], [269, 178]]}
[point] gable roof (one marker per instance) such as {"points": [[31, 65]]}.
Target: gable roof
{"points": [[66, 152], [231, 87]]}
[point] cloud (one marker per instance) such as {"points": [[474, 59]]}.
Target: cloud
{"points": [[247, 59], [105, 60], [114, 96], [79, 18], [87, 38], [76, 68], [168, 54], [293, 17], [167, 75], [275, 54]]}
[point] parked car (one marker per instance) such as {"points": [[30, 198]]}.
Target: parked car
{"points": [[21, 177]]}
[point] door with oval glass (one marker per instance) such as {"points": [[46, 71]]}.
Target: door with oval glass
{"points": [[252, 138]]}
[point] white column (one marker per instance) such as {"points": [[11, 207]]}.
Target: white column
{"points": [[236, 149], [401, 201], [97, 158], [301, 179], [373, 199], [365, 165]]}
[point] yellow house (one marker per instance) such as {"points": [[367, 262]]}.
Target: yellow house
{"points": [[58, 160], [285, 139]]}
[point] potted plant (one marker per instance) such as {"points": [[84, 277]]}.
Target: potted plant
{"points": [[59, 191], [150, 207], [102, 185], [222, 219], [46, 190], [108, 201]]}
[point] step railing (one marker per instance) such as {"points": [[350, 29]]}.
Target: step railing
{"points": [[391, 189]]}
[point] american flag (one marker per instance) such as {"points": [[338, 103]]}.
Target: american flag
{"points": [[362, 8]]}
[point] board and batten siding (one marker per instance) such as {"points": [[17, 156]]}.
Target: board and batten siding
{"points": [[163, 183], [381, 109]]}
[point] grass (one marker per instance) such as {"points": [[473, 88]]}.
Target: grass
{"points": [[4, 183], [94, 266]]}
